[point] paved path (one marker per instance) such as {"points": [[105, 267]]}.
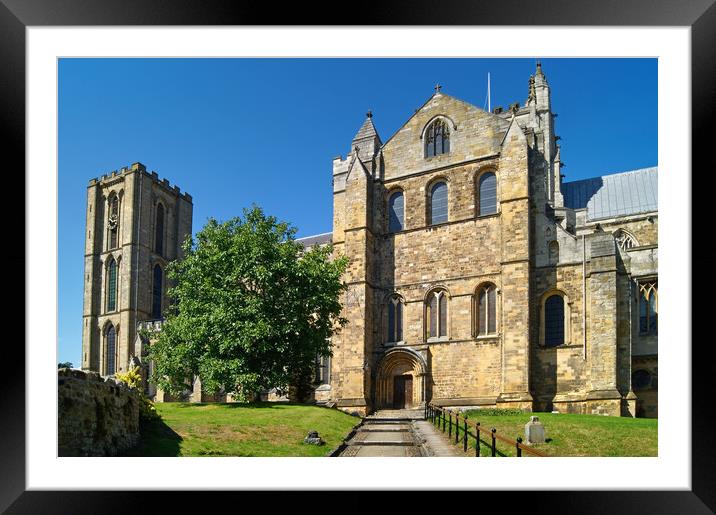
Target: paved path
{"points": [[398, 433]]}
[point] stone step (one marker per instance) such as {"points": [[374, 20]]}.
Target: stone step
{"points": [[383, 451], [388, 420], [385, 430], [384, 443]]}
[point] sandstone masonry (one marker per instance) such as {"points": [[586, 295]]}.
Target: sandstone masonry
{"points": [[97, 417]]}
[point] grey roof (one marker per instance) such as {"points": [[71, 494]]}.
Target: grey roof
{"points": [[318, 239], [619, 194], [367, 130]]}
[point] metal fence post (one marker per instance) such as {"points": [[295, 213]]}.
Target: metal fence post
{"points": [[450, 425], [477, 440], [519, 449], [464, 436], [494, 447], [443, 412], [457, 426]]}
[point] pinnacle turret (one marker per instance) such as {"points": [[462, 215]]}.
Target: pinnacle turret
{"points": [[367, 130], [366, 139]]}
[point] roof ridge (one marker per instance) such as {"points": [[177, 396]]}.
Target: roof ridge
{"points": [[613, 174], [314, 235]]}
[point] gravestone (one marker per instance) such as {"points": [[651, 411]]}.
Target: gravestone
{"points": [[534, 431], [313, 438]]}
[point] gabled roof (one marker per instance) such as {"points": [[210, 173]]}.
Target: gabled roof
{"points": [[439, 94], [516, 126], [318, 239], [619, 194]]}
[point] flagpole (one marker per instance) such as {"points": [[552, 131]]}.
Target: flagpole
{"points": [[489, 108]]}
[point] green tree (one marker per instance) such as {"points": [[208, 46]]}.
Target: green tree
{"points": [[64, 364], [250, 309]]}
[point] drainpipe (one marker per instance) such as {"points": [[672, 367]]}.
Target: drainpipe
{"points": [[631, 330], [584, 297], [136, 254]]}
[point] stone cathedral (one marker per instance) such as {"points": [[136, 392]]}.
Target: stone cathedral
{"points": [[477, 276]]}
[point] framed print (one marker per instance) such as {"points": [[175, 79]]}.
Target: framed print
{"points": [[42, 39]]}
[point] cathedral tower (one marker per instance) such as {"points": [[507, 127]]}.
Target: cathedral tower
{"points": [[136, 224]]}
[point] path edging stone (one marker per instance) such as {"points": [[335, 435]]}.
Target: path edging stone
{"points": [[343, 445]]}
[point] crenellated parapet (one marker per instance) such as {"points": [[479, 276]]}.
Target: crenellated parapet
{"points": [[110, 177]]}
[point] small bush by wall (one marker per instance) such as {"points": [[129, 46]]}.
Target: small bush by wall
{"points": [[96, 416]]}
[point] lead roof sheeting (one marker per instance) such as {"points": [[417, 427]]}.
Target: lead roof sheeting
{"points": [[618, 194], [319, 239]]}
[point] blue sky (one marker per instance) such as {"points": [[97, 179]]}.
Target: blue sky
{"points": [[232, 132]]}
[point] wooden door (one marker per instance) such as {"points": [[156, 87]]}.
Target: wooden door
{"points": [[402, 392], [398, 392], [408, 400]]}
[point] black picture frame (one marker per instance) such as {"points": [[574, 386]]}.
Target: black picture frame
{"points": [[699, 15]]}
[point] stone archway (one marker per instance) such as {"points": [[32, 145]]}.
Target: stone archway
{"points": [[401, 370]]}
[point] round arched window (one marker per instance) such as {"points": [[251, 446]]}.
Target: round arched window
{"points": [[396, 209], [438, 203]]}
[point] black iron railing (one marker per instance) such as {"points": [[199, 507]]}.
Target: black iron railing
{"points": [[442, 418]]}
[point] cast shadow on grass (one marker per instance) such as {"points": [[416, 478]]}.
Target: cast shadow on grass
{"points": [[262, 404], [156, 439], [246, 405]]}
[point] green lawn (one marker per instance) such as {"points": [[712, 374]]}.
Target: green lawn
{"points": [[233, 429], [571, 435]]}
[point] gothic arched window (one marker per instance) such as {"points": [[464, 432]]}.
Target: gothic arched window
{"points": [[624, 239], [438, 203], [159, 230], [111, 350], [486, 310], [323, 370], [487, 194], [396, 211], [554, 321], [648, 308], [157, 293], [113, 221], [436, 314], [112, 286], [395, 319], [437, 138]]}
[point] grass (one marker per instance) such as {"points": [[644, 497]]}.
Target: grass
{"points": [[570, 435], [233, 429]]}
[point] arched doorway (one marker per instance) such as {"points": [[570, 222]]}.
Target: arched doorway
{"points": [[401, 380]]}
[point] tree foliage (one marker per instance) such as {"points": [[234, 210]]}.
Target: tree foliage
{"points": [[250, 309]]}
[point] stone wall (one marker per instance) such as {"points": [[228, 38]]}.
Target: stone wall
{"points": [[96, 416], [647, 394]]}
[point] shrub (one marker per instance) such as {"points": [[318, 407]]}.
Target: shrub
{"points": [[133, 379]]}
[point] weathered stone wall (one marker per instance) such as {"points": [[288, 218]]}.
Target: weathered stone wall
{"points": [[647, 395], [559, 374], [474, 134], [466, 372], [96, 417]]}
